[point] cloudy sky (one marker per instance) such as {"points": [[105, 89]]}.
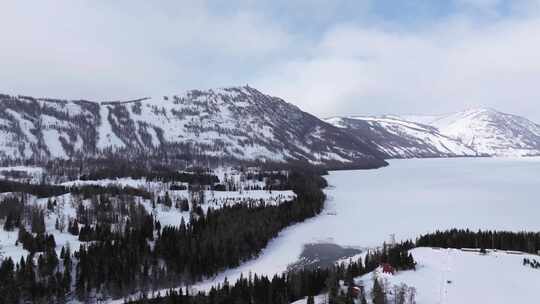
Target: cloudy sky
{"points": [[328, 57]]}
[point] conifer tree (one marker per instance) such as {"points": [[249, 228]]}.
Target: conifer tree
{"points": [[377, 293]]}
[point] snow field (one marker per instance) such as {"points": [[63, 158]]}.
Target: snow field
{"points": [[453, 276]]}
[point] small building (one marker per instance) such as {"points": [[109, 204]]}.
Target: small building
{"points": [[387, 268]]}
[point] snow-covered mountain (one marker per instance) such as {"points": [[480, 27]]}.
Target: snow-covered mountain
{"points": [[475, 132], [489, 132], [233, 123], [399, 138]]}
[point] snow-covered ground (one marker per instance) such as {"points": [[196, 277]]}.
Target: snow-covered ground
{"points": [[408, 198], [66, 209], [452, 276], [319, 299], [28, 174], [214, 200], [122, 182]]}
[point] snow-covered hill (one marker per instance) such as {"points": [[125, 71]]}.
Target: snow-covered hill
{"points": [[236, 123], [455, 276], [247, 191], [399, 138], [488, 131], [475, 132]]}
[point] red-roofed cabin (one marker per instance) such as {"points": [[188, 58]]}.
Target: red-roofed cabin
{"points": [[387, 268]]}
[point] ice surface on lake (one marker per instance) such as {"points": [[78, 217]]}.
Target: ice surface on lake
{"points": [[416, 196], [408, 198]]}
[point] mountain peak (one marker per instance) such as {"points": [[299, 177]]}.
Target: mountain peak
{"points": [[234, 123], [491, 132], [480, 110], [471, 132], [395, 137]]}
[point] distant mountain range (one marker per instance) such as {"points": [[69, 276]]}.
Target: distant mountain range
{"points": [[241, 123], [394, 137], [474, 132], [238, 123]]}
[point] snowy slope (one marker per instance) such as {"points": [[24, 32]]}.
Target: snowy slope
{"points": [[399, 138], [237, 123], [167, 216], [474, 132], [489, 132], [452, 276]]}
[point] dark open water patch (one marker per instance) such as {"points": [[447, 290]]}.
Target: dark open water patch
{"points": [[322, 255]]}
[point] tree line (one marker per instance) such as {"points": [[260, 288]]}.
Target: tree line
{"points": [[44, 190], [337, 281], [488, 239]]}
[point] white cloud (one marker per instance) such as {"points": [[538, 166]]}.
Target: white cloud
{"points": [[104, 49], [309, 54], [453, 65]]}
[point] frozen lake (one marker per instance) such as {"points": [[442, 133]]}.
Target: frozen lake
{"points": [[408, 198]]}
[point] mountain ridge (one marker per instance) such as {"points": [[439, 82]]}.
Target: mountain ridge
{"points": [[483, 131], [232, 123], [244, 124], [395, 138]]}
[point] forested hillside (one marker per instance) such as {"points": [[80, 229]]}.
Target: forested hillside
{"points": [[122, 240], [238, 123]]}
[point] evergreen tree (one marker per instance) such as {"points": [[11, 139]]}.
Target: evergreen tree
{"points": [[377, 293], [38, 221], [10, 223], [184, 205]]}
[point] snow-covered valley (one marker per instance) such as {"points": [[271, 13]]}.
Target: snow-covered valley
{"points": [[408, 198], [364, 209]]}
